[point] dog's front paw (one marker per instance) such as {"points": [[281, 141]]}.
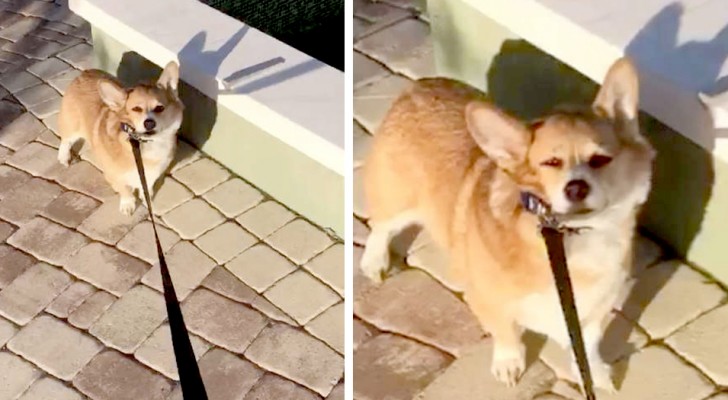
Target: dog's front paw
{"points": [[373, 264], [508, 365], [64, 158], [127, 205]]}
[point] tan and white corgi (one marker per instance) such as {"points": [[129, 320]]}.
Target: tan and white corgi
{"points": [[98, 109], [447, 159]]}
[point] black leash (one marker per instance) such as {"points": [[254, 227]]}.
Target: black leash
{"points": [[553, 236], [189, 374]]}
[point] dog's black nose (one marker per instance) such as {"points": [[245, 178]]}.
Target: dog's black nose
{"points": [[149, 124], [576, 190]]}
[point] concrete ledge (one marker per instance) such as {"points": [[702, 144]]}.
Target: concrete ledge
{"points": [[688, 206], [265, 110]]}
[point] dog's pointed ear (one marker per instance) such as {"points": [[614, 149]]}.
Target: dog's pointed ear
{"points": [[501, 137], [170, 77], [619, 95], [112, 94]]}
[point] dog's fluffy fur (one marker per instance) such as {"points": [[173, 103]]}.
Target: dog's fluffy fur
{"points": [[94, 107], [447, 159]]}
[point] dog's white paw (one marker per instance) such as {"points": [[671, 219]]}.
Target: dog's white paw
{"points": [[64, 158], [508, 365], [127, 205], [601, 373], [373, 264]]}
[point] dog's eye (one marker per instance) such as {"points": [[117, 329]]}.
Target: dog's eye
{"points": [[158, 109], [137, 109], [599, 160], [553, 162]]}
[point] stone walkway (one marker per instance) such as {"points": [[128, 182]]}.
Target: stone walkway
{"points": [[416, 339], [81, 313]]}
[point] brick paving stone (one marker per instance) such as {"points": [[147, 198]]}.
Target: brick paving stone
{"points": [[139, 242], [405, 47], [83, 32], [188, 266], [7, 331], [63, 80], [225, 241], [375, 16], [112, 376], [301, 296], [225, 283], [719, 396], [226, 376], [34, 47], [273, 387], [9, 110], [367, 71], [79, 56], [48, 68], [20, 29], [395, 368], [362, 332], [647, 253], [360, 207], [4, 154], [265, 218], [702, 342], [52, 124], [337, 393], [470, 375], [329, 267], [49, 138], [11, 178], [413, 304], [16, 375], [299, 241], [233, 197], [91, 309], [6, 230], [362, 144], [362, 285], [297, 356], [108, 225], [71, 298], [193, 218], [47, 241], [57, 348], [131, 319], [13, 262], [8, 18], [185, 155], [50, 34], [40, 9], [17, 81], [49, 388], [657, 300], [433, 260], [263, 305], [21, 131], [170, 195], [47, 108], [70, 208], [361, 232], [260, 266], [31, 292], [37, 159], [85, 178], [59, 27], [371, 102], [202, 175], [221, 321], [35, 95], [656, 373], [157, 352], [329, 327], [106, 267]]}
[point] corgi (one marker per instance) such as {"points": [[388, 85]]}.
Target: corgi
{"points": [[98, 109], [448, 160]]}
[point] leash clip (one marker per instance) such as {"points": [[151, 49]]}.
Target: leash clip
{"points": [[132, 132], [547, 219]]}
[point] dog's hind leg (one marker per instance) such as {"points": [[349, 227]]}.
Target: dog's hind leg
{"points": [[375, 259]]}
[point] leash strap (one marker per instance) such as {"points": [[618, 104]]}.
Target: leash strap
{"points": [[554, 239], [189, 373]]}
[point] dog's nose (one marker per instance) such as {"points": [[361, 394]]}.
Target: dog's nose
{"points": [[149, 124], [576, 190]]}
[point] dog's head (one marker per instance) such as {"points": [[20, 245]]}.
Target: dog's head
{"points": [[153, 110], [578, 161]]}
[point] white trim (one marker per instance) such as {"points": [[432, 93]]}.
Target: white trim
{"points": [[305, 111]]}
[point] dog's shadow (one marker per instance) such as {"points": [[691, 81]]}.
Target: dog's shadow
{"points": [[528, 83]]}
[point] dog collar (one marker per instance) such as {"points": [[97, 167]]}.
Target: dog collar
{"points": [[132, 132], [540, 208]]}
